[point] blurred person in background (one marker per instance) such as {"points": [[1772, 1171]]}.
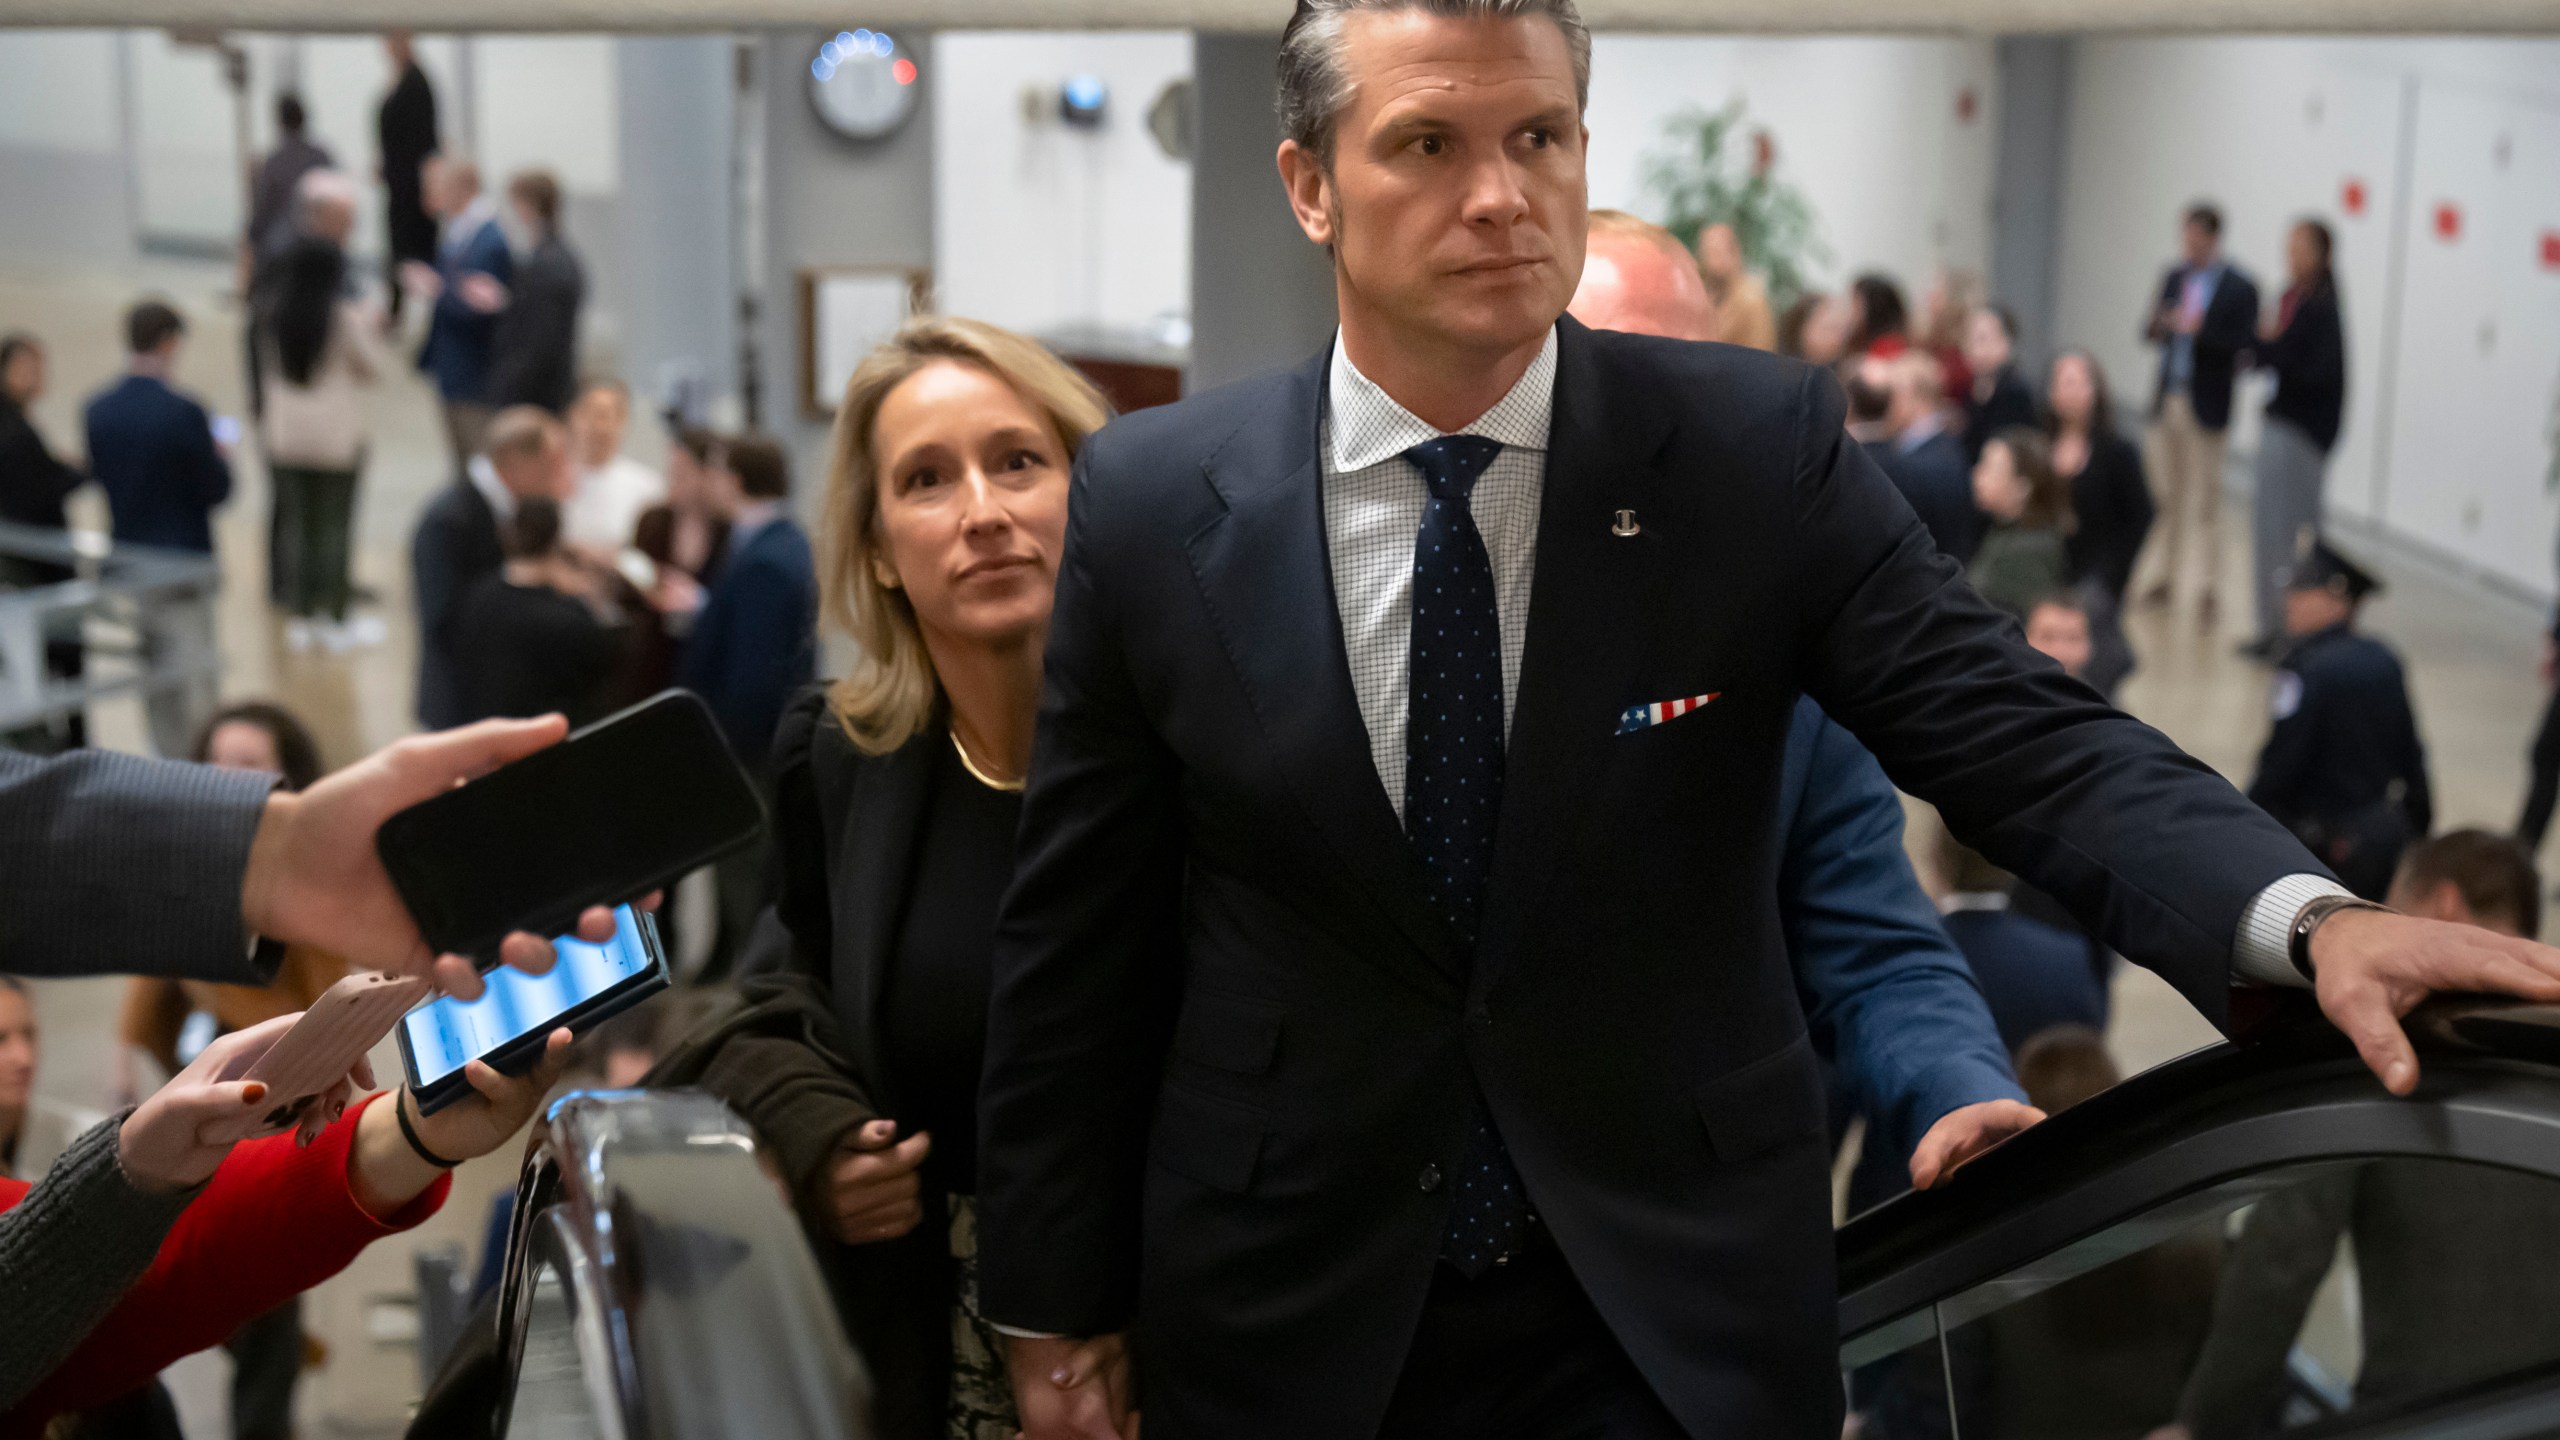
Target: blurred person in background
{"points": [[404, 136], [1996, 397], [2025, 555], [2206, 316], [609, 491], [2452, 1280], [2542, 790], [2058, 628], [1879, 320], [33, 1131], [684, 539], [1741, 300], [458, 543], [153, 450], [752, 646], [2305, 345], [273, 189], [1924, 459], [2035, 974], [534, 353], [1815, 329], [1625, 285], [172, 1021], [2111, 504], [467, 285], [33, 486], [322, 346], [1946, 308], [540, 634], [2343, 767]]}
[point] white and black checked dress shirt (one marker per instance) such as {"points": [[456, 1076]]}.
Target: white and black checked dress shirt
{"points": [[1373, 502]]}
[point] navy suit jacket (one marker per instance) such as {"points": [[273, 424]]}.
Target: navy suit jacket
{"points": [[755, 642], [456, 544], [1937, 482], [1886, 995], [152, 450], [1232, 1048], [2230, 327], [460, 340], [2035, 975]]}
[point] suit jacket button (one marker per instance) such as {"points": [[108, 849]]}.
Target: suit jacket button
{"points": [[1430, 1178]]}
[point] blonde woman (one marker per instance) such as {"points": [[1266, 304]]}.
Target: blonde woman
{"points": [[898, 789]]}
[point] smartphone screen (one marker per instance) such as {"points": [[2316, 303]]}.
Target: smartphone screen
{"points": [[445, 1034], [626, 804]]}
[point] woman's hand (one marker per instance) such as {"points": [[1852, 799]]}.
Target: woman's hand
{"points": [[386, 1172], [177, 1137], [872, 1187]]}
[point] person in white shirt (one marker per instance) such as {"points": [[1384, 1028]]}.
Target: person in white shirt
{"points": [[608, 489]]}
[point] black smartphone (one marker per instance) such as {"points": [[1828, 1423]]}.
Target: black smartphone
{"points": [[511, 1020], [622, 807]]}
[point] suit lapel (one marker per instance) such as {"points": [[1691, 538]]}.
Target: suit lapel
{"points": [[1261, 567], [883, 824], [1589, 627]]}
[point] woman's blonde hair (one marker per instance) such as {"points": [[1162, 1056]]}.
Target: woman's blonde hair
{"points": [[892, 692]]}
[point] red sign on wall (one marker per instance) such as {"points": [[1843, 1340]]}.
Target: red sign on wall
{"points": [[2448, 221], [2351, 196], [2551, 249]]}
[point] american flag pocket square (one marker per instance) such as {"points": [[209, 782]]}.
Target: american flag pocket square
{"points": [[1640, 717]]}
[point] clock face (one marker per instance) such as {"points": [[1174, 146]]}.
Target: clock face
{"points": [[863, 85]]}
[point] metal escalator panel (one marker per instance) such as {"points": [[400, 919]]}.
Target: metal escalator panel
{"points": [[667, 1291], [2246, 1243]]}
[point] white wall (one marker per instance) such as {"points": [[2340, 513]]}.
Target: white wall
{"points": [[1866, 127], [1037, 225], [58, 90], [2273, 129]]}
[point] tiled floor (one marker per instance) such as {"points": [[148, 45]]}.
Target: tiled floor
{"points": [[2471, 658]]}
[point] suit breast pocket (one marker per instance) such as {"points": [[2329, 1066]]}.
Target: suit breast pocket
{"points": [[1764, 1104]]}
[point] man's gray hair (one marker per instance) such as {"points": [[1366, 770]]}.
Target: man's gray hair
{"points": [[1313, 87]]}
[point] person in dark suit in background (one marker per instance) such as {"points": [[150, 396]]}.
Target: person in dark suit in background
{"points": [[33, 486], [2035, 975], [752, 645], [1998, 397], [2205, 318], [271, 228], [534, 354], [1925, 461], [467, 284], [152, 447], [2305, 345], [2343, 767], [458, 543], [1337, 969], [537, 635], [404, 136]]}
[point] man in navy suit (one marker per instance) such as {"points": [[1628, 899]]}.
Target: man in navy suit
{"points": [[753, 643], [525, 452], [1925, 459], [467, 284], [1391, 1017], [2205, 316], [153, 451]]}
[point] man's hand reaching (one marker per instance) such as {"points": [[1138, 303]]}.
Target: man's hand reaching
{"points": [[314, 877], [1071, 1389], [2371, 967], [1962, 1134]]}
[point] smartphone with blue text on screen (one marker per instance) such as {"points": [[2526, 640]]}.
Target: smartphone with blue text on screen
{"points": [[509, 1023]]}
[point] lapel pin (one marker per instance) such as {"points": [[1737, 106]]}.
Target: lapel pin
{"points": [[1626, 525]]}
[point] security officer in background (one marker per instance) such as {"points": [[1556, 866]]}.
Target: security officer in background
{"points": [[2343, 768]]}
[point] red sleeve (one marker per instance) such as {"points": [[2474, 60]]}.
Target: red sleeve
{"points": [[274, 1221]]}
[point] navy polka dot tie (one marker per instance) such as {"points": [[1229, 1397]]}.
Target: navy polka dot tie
{"points": [[1453, 788]]}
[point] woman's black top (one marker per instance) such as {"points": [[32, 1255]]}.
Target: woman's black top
{"points": [[2009, 403], [933, 1024], [2309, 356], [2111, 501], [529, 650]]}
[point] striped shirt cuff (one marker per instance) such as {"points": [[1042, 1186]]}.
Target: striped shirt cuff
{"points": [[2263, 950]]}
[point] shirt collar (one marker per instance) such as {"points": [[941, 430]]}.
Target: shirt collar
{"points": [[1921, 431], [1368, 426], [467, 221], [752, 517], [1973, 901], [484, 478]]}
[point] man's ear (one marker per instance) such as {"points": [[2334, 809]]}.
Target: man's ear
{"points": [[1310, 189]]}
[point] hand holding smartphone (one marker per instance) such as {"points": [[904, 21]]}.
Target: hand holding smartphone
{"points": [[328, 1044], [513, 1019]]}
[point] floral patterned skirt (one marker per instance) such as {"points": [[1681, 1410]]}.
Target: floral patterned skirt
{"points": [[981, 1392]]}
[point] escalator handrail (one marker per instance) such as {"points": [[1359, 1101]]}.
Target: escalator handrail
{"points": [[608, 1174], [2489, 1093]]}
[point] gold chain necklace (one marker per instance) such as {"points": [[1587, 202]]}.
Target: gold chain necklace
{"points": [[982, 777]]}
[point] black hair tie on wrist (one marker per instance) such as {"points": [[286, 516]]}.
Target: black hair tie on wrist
{"points": [[409, 1132]]}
